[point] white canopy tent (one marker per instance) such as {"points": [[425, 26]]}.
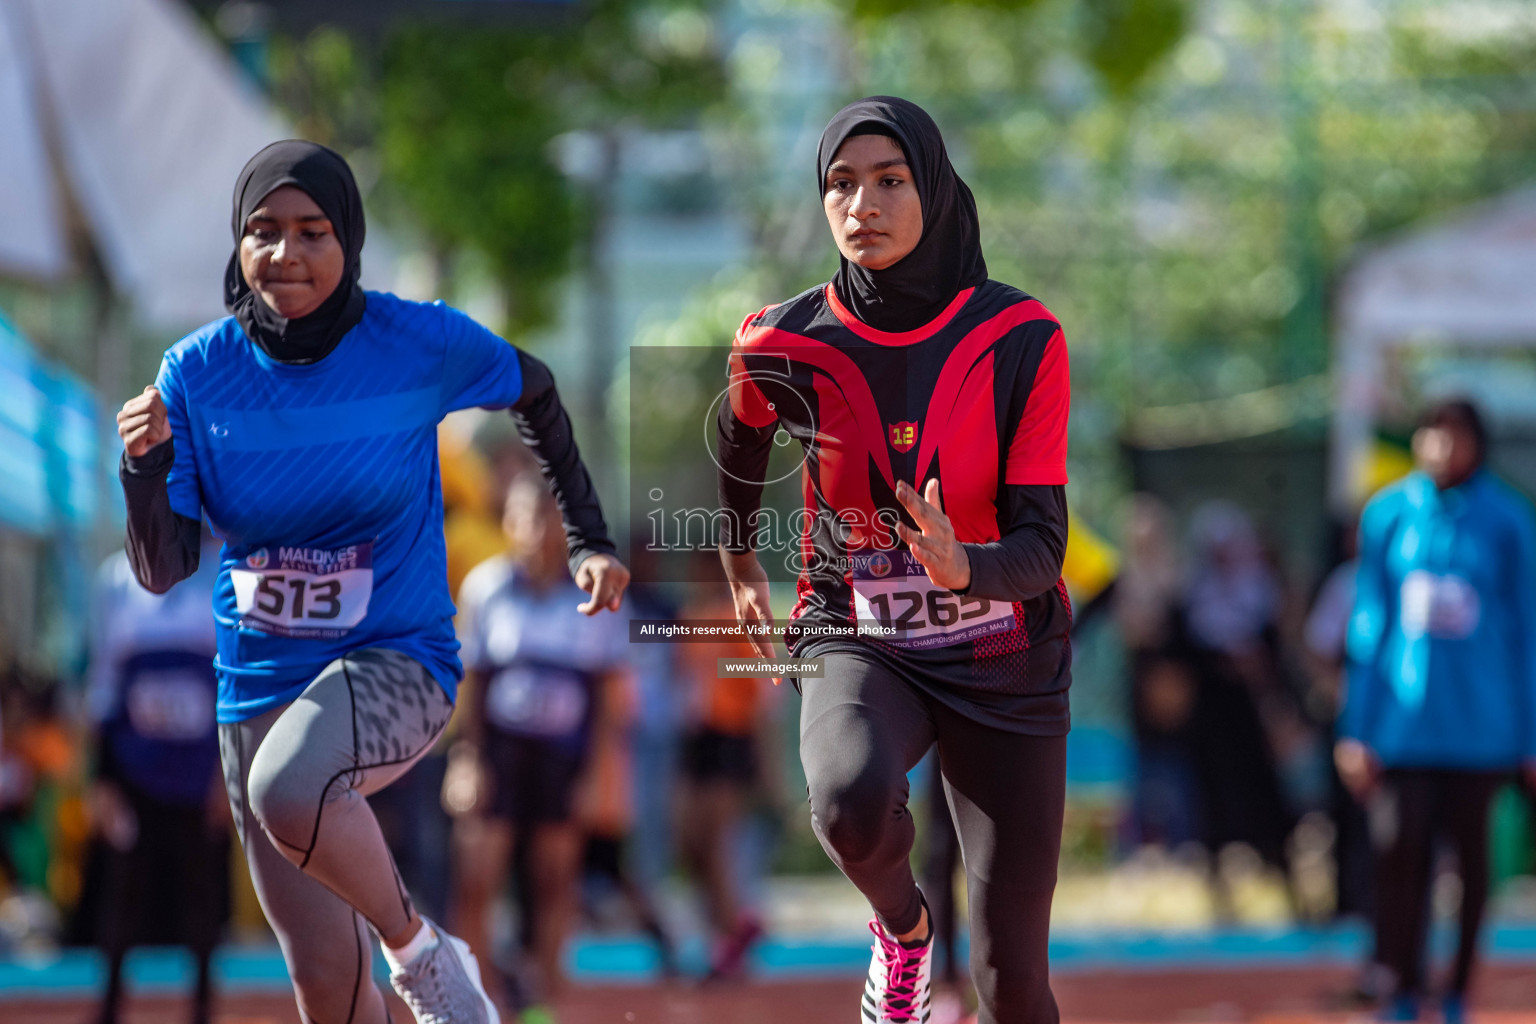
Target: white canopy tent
{"points": [[1469, 281], [131, 108]]}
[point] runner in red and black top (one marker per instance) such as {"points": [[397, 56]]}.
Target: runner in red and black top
{"points": [[977, 400], [932, 404]]}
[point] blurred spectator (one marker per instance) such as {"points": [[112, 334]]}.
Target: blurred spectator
{"points": [[158, 798], [1440, 708], [536, 708], [1233, 600], [1232, 610], [15, 781], [728, 759], [473, 489], [1148, 590], [1324, 635], [606, 810], [42, 818], [1146, 604], [659, 699]]}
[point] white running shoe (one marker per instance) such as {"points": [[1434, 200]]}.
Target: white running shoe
{"points": [[897, 990], [443, 986]]}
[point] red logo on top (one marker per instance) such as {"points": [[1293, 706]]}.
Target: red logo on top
{"points": [[903, 436]]}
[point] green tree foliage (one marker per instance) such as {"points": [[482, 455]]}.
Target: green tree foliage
{"points": [[465, 133], [886, 8], [1124, 39], [459, 122], [469, 118]]}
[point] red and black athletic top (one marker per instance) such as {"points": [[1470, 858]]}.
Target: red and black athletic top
{"points": [[978, 398]]}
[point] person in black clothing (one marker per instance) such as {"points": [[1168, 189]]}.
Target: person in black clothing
{"points": [[158, 795]]}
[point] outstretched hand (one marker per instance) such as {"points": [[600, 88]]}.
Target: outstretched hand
{"points": [[749, 596], [933, 543], [604, 577]]}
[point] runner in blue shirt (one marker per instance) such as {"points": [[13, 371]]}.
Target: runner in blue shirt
{"points": [[304, 427]]}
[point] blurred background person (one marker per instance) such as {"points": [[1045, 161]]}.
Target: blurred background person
{"points": [[1231, 621], [606, 810], [729, 760], [1324, 636], [161, 815], [1147, 602], [42, 819], [1440, 708], [541, 671], [661, 690]]}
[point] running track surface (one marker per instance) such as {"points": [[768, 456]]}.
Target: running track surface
{"points": [[1506, 995]]}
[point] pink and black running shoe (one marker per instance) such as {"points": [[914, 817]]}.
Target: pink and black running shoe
{"points": [[897, 990]]}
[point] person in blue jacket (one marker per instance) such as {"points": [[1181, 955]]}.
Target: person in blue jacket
{"points": [[1440, 703]]}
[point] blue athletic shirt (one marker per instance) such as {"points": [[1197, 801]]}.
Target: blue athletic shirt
{"points": [[322, 481], [1442, 642]]}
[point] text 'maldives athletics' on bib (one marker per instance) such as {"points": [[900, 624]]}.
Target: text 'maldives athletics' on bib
{"points": [[304, 591], [322, 481]]}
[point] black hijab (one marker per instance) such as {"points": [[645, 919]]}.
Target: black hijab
{"points": [[327, 179], [947, 258]]}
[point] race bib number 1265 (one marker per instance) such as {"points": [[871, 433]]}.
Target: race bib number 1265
{"points": [[304, 592], [895, 601]]}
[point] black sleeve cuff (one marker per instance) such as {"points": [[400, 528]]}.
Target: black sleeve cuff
{"points": [[155, 462], [986, 578], [581, 554]]}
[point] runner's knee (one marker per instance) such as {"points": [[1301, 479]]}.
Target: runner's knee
{"points": [[284, 799], [856, 808]]}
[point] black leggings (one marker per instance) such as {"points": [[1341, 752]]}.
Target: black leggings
{"points": [[1408, 813], [941, 856], [861, 730]]}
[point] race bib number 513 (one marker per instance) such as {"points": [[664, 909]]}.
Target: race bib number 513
{"points": [[304, 592], [895, 601]]}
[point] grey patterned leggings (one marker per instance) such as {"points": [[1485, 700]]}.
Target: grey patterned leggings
{"points": [[301, 774]]}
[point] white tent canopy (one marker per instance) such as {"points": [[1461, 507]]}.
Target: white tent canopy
{"points": [[1470, 281], [147, 122]]}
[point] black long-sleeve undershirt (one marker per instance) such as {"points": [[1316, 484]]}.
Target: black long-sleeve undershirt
{"points": [[163, 545], [743, 463], [545, 428], [1024, 563]]}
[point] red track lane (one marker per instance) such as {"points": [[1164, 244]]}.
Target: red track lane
{"points": [[1506, 995]]}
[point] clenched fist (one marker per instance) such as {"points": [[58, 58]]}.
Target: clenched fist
{"points": [[142, 423]]}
